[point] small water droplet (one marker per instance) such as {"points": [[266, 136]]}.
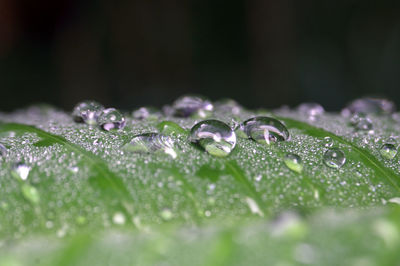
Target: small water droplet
{"points": [[87, 112], [361, 122], [111, 119], [294, 162], [30, 193], [21, 171], [166, 214], [328, 142], [388, 151], [334, 158], [151, 142], [369, 105], [170, 128], [194, 106], [216, 137], [119, 218], [311, 110], [143, 113], [265, 129], [228, 106]]}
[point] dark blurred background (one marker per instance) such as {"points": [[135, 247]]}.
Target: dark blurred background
{"points": [[263, 53]]}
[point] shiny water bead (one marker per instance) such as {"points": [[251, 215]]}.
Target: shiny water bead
{"points": [[334, 158], [328, 142], [21, 171], [87, 112], [151, 142], [388, 151], [192, 106], [293, 162], [3, 150], [369, 105], [111, 119], [216, 137], [265, 129], [361, 122], [312, 110], [170, 128], [145, 113]]}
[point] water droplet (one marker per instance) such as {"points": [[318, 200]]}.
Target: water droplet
{"points": [[166, 214], [3, 150], [328, 142], [294, 162], [334, 158], [369, 105], [228, 106], [30, 193], [111, 119], [119, 218], [311, 110], [254, 208], [151, 142], [194, 106], [146, 113], [21, 171], [216, 137], [388, 151], [87, 112], [170, 128], [265, 129], [361, 122]]}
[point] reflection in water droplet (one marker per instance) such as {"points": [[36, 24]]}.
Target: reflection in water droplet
{"points": [[87, 112], [170, 128], [361, 122], [194, 106], [151, 142], [334, 158], [294, 162], [3, 150], [21, 171], [312, 110], [328, 142], [216, 137], [388, 151], [118, 218], [30, 193], [111, 119], [369, 105], [265, 129]]}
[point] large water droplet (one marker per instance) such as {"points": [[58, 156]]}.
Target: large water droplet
{"points": [[216, 137], [192, 106], [311, 110], [30, 193], [111, 119], [21, 171], [334, 158], [369, 105], [87, 112], [294, 162], [170, 128], [388, 151], [265, 129], [151, 142]]}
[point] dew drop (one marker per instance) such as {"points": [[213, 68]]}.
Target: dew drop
{"points": [[311, 110], [265, 129], [328, 142], [228, 106], [361, 122], [369, 105], [21, 171], [334, 158], [166, 214], [216, 137], [151, 142], [294, 162], [194, 106], [170, 128], [30, 193], [111, 119], [143, 113], [119, 218], [388, 151], [87, 112]]}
